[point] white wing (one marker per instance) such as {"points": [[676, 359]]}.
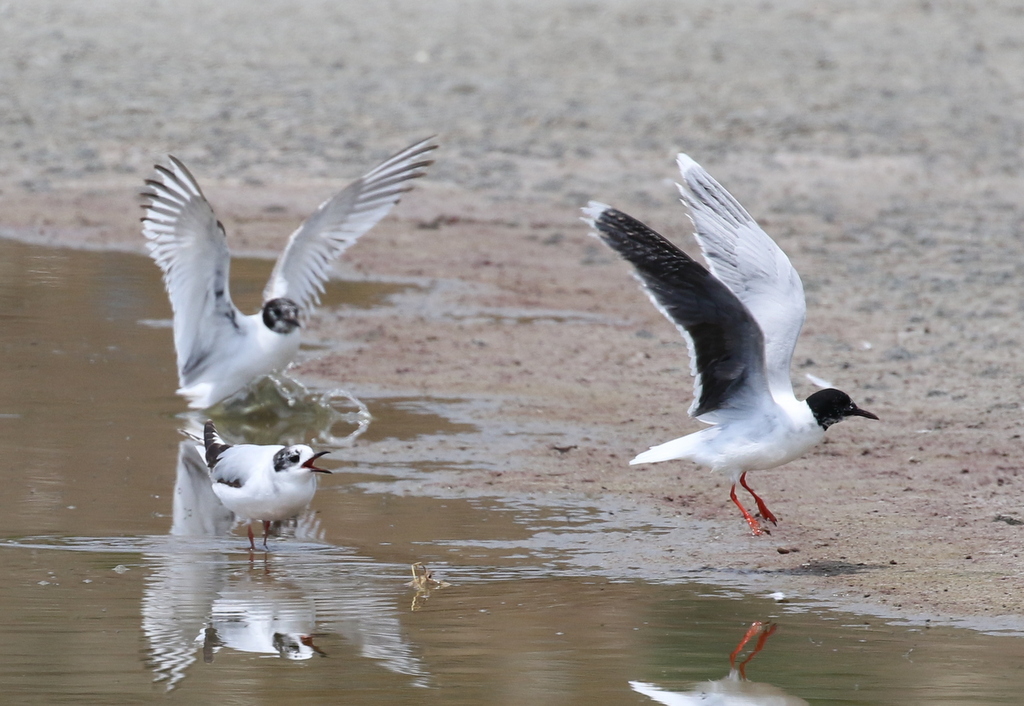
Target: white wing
{"points": [[238, 464], [304, 265], [187, 241], [751, 265]]}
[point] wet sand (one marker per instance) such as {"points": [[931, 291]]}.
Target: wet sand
{"points": [[881, 147]]}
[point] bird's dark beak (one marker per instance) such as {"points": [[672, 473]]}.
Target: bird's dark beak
{"points": [[309, 464], [858, 412]]}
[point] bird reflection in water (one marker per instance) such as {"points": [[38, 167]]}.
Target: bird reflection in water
{"points": [[198, 600], [733, 690], [197, 512], [260, 614]]}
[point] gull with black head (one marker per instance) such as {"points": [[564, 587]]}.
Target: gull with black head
{"points": [[219, 349], [741, 317], [260, 483]]}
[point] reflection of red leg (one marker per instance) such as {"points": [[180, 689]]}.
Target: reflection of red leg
{"points": [[307, 640], [761, 507], [766, 632], [754, 628], [755, 527], [252, 542]]}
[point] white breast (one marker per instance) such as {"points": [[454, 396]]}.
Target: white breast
{"points": [[264, 494], [766, 442], [241, 360]]}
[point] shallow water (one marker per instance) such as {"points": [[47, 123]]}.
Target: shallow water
{"points": [[124, 582]]}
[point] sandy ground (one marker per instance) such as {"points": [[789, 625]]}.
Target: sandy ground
{"points": [[881, 144]]}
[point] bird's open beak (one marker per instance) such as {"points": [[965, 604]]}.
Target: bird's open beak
{"points": [[863, 413], [309, 464]]}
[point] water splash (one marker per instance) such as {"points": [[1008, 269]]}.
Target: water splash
{"points": [[278, 409]]}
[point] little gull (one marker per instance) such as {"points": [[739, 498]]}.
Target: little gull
{"points": [[260, 483], [220, 350], [741, 317]]}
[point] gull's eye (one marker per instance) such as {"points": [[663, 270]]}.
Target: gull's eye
{"points": [[294, 457]]}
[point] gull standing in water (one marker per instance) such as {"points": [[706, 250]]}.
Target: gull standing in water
{"points": [[220, 350], [741, 317], [260, 483]]}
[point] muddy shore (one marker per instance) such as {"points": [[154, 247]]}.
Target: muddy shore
{"points": [[882, 148]]}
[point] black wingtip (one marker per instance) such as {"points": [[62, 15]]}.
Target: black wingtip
{"points": [[427, 144], [647, 250], [215, 445], [165, 173], [727, 343]]}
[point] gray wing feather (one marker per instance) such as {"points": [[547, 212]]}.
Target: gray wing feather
{"points": [[305, 264], [750, 264], [187, 241]]}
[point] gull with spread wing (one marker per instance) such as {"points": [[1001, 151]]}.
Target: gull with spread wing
{"points": [[220, 350], [741, 317]]}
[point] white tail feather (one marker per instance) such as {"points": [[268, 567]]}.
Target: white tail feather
{"points": [[677, 448]]}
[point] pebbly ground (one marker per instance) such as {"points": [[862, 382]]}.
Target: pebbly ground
{"points": [[881, 144]]}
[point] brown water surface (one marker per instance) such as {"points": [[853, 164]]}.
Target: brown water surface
{"points": [[124, 582]]}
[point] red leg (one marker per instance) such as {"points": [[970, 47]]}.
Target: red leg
{"points": [[252, 542], [755, 527], [266, 531], [761, 507]]}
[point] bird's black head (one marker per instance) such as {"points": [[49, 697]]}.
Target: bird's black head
{"points": [[298, 459], [831, 406], [287, 458], [281, 315]]}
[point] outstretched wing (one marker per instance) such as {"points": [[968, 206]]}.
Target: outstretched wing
{"points": [[726, 346], [187, 241], [750, 264], [305, 264]]}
